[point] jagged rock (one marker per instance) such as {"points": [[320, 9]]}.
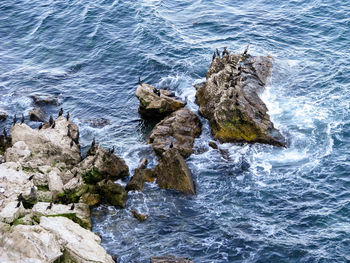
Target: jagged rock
{"points": [[173, 173], [141, 176], [47, 146], [101, 164], [37, 114], [179, 129], [213, 145], [79, 244], [229, 100], [24, 243], [90, 199], [11, 212], [170, 259], [154, 106], [113, 193], [80, 214], [55, 183], [45, 99], [99, 122], [139, 216]]}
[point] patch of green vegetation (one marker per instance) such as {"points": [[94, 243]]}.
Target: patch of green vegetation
{"points": [[69, 197], [36, 218], [28, 204], [43, 188], [18, 221], [93, 176], [30, 170]]}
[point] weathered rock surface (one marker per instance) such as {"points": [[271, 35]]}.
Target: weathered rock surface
{"points": [[37, 114], [173, 173], [47, 146], [113, 193], [138, 215], [100, 164], [45, 99], [141, 176], [179, 129], [229, 100], [154, 106], [170, 259]]}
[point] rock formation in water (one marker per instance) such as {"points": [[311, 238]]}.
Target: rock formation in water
{"points": [[229, 100], [170, 259], [46, 190], [153, 105]]}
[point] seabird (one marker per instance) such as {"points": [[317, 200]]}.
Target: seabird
{"points": [[225, 52], [76, 173], [67, 117], [217, 53], [31, 177], [60, 112], [93, 142], [5, 133], [50, 206], [246, 51], [231, 96], [171, 145], [72, 207], [20, 197], [40, 126], [71, 144], [111, 150], [237, 95], [214, 55], [18, 204], [237, 104], [22, 120], [53, 125], [14, 120], [140, 82], [51, 120], [155, 91], [68, 133]]}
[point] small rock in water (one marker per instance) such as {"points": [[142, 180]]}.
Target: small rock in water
{"points": [[37, 114], [3, 115], [139, 216], [99, 122], [213, 145], [45, 99]]}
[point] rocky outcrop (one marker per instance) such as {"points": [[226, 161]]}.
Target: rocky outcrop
{"points": [[153, 105], [37, 114], [3, 115], [113, 193], [45, 99], [101, 164], [138, 215], [47, 146], [170, 259], [172, 172], [229, 100], [141, 175], [178, 131]]}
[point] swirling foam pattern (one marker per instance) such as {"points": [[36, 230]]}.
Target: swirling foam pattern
{"points": [[265, 204]]}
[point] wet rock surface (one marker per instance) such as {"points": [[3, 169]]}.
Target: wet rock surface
{"points": [[229, 99], [178, 131], [37, 114], [45, 99], [156, 103]]}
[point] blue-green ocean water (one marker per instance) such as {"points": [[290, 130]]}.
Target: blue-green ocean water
{"points": [[265, 204]]}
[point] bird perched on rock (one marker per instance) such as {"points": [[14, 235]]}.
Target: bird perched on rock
{"points": [[49, 207], [140, 82], [217, 53], [5, 133], [51, 120], [68, 133], [53, 125], [246, 51], [156, 91], [93, 142], [72, 207], [30, 177], [14, 119], [171, 145], [40, 126], [71, 144], [76, 173], [225, 52], [214, 55], [18, 204], [111, 150], [60, 113], [22, 120], [67, 117], [20, 197]]}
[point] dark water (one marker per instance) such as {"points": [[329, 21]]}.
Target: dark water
{"points": [[264, 205]]}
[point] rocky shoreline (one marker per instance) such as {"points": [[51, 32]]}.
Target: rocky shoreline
{"points": [[47, 188]]}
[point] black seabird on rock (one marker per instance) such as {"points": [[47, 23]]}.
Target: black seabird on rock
{"points": [[214, 55], [68, 133], [22, 120], [71, 144], [20, 197], [14, 120], [50, 206], [111, 150], [76, 173], [72, 207], [18, 204], [40, 126], [30, 177], [246, 51], [93, 142], [217, 53], [51, 120], [60, 112], [155, 91], [171, 145], [67, 117], [225, 52], [5, 133], [53, 125]]}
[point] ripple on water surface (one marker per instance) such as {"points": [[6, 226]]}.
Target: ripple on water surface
{"points": [[256, 204]]}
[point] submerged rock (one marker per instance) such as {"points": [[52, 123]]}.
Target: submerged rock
{"points": [[99, 122], [170, 259], [45, 99], [173, 173], [178, 131], [37, 114], [229, 100], [139, 216], [153, 105], [3, 115]]}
